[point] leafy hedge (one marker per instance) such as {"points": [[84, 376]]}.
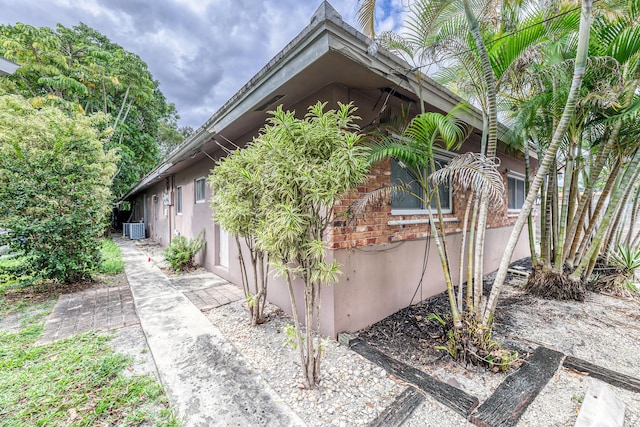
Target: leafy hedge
{"points": [[54, 188]]}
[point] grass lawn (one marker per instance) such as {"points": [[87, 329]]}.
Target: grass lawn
{"points": [[79, 381]]}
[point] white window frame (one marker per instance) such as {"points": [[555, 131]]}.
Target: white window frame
{"points": [[518, 177], [440, 154], [204, 188], [179, 200]]}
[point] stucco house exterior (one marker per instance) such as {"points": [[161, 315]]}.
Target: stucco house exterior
{"points": [[382, 254]]}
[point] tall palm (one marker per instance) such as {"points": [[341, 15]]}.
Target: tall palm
{"points": [[414, 150], [586, 17]]}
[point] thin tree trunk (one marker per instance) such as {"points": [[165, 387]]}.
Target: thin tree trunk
{"points": [[576, 226], [595, 216], [124, 102], [545, 248], [629, 174], [296, 323], [462, 248], [620, 213], [567, 115], [566, 194], [527, 177], [455, 314], [470, 257], [554, 211], [634, 217]]}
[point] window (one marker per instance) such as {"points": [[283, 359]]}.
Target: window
{"points": [[200, 196], [515, 192], [407, 204], [179, 200]]}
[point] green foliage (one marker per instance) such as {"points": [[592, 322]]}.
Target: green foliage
{"points": [[74, 382], [627, 258], [111, 258], [181, 252], [279, 194], [304, 166], [14, 271], [80, 70], [54, 188], [474, 343], [290, 338]]}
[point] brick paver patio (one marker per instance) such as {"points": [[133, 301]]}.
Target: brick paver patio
{"points": [[103, 309], [214, 296], [108, 308]]}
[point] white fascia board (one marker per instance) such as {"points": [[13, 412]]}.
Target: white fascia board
{"points": [[7, 67]]}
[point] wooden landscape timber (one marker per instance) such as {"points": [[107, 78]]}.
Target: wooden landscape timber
{"points": [[400, 410], [461, 402], [511, 399], [607, 375]]}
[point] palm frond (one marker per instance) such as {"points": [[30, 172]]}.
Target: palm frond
{"points": [[472, 172], [366, 16], [379, 195]]}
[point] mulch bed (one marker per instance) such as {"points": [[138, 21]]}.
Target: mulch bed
{"points": [[410, 336]]}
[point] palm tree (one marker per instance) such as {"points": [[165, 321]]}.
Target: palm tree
{"points": [[586, 17]]}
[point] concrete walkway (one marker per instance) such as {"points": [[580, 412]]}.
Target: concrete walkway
{"points": [[207, 381]]}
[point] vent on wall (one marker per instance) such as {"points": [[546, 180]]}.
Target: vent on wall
{"points": [[266, 104]]}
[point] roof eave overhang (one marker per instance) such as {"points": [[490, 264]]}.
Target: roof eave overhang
{"points": [[323, 35]]}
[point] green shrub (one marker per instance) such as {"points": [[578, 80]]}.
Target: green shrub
{"points": [[627, 259], [181, 252], [13, 271], [111, 258], [54, 188]]}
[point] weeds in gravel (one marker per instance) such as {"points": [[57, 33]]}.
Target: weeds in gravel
{"points": [[74, 382]]}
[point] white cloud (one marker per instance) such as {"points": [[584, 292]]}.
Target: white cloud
{"points": [[201, 51]]}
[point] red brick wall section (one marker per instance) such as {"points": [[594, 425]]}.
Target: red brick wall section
{"points": [[372, 228]]}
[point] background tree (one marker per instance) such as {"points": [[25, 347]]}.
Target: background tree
{"points": [[54, 187], [79, 69]]}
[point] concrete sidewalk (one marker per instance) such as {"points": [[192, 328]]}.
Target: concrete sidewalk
{"points": [[207, 381]]}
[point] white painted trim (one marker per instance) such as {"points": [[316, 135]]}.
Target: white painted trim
{"points": [[180, 199], [418, 221], [195, 190]]}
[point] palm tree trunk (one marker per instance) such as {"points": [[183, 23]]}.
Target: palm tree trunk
{"points": [[462, 247], [472, 231], [629, 174], [566, 194], [634, 217], [594, 220], [527, 177], [569, 110], [455, 314], [554, 210], [614, 229], [545, 248]]}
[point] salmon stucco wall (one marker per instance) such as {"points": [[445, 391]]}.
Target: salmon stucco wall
{"points": [[379, 280]]}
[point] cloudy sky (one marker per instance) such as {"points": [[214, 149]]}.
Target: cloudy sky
{"points": [[201, 51]]}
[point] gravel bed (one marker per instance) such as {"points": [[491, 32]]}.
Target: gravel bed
{"points": [[604, 330], [352, 391], [559, 402]]}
